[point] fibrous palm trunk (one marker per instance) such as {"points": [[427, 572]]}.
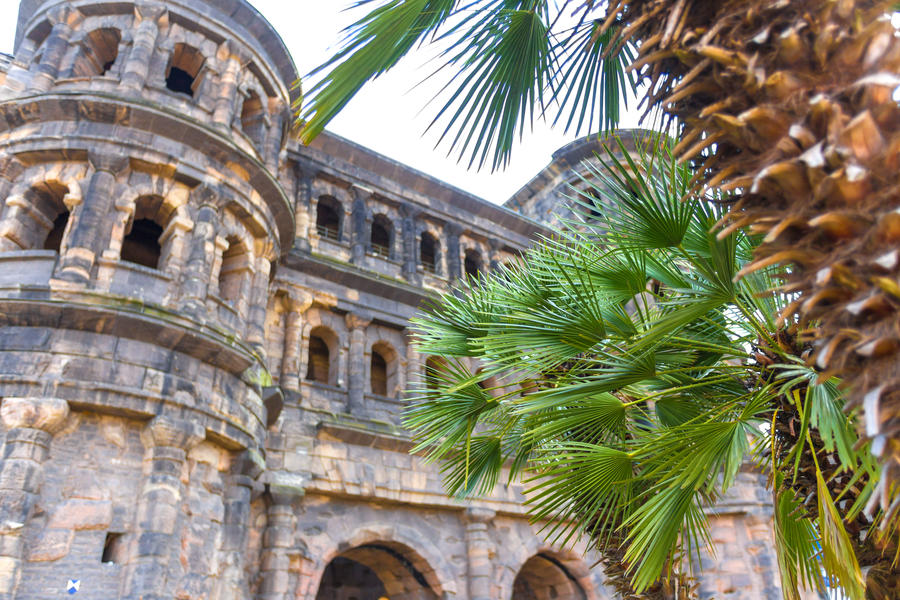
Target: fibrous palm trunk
{"points": [[789, 104]]}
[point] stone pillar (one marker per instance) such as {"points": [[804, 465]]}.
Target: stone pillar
{"points": [[198, 269], [454, 267], [278, 116], [232, 584], [30, 423], [303, 199], [225, 101], [167, 441], [257, 298], [494, 258], [293, 332], [278, 542], [65, 19], [90, 231], [356, 367], [359, 241], [413, 360], [479, 550], [147, 16], [410, 251]]}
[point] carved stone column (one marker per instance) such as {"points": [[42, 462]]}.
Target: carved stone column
{"points": [[278, 541], [359, 239], [303, 199], [168, 441], [90, 231], [356, 367], [410, 252], [226, 100], [454, 267], [479, 550], [293, 332], [198, 269], [256, 305], [148, 16], [232, 583], [413, 360], [65, 19], [31, 423], [494, 259]]}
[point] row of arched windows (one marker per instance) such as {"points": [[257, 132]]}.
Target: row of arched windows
{"points": [[97, 52], [329, 221], [142, 243], [321, 366]]}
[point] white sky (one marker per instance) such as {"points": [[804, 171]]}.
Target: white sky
{"points": [[387, 115]]}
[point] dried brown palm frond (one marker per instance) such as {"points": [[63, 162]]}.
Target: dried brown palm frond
{"points": [[789, 104]]}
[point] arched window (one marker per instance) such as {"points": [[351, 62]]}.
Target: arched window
{"points": [[378, 376], [546, 575], [473, 263], [97, 53], [319, 363], [142, 243], [376, 570], [253, 119], [381, 236], [183, 73], [47, 200], [428, 252], [383, 370], [235, 270], [328, 218]]}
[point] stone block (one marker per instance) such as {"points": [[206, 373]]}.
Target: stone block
{"points": [[78, 514], [53, 544]]}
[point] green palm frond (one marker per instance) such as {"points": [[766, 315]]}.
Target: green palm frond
{"points": [[508, 61]]}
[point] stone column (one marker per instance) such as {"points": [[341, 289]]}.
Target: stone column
{"points": [[232, 584], [293, 332], [257, 299], [452, 231], [278, 540], [65, 19], [494, 259], [359, 239], [30, 423], [356, 367], [168, 441], [225, 101], [90, 230], [198, 269], [413, 360], [479, 550], [148, 16], [410, 252], [303, 198]]}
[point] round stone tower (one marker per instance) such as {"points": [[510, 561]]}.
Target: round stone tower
{"points": [[142, 214]]}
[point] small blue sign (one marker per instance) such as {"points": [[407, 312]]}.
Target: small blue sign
{"points": [[72, 586]]}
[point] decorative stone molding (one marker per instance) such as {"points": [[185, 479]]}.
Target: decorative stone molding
{"points": [[479, 552]]}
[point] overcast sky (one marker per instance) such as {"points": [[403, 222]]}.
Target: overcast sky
{"points": [[388, 114]]}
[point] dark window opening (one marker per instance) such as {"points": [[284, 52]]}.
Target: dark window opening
{"points": [[328, 219], [141, 245], [253, 119], [428, 253], [472, 263], [54, 238], [231, 274], [180, 81], [97, 53], [319, 360], [381, 237], [379, 375], [113, 549], [184, 69]]}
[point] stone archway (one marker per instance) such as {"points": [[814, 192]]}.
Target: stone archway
{"points": [[547, 576], [377, 571]]}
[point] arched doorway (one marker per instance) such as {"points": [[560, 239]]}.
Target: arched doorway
{"points": [[377, 571], [545, 576]]}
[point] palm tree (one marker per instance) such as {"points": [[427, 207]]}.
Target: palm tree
{"points": [[625, 393], [787, 103]]}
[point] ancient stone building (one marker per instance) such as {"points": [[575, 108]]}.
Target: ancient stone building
{"points": [[204, 336]]}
